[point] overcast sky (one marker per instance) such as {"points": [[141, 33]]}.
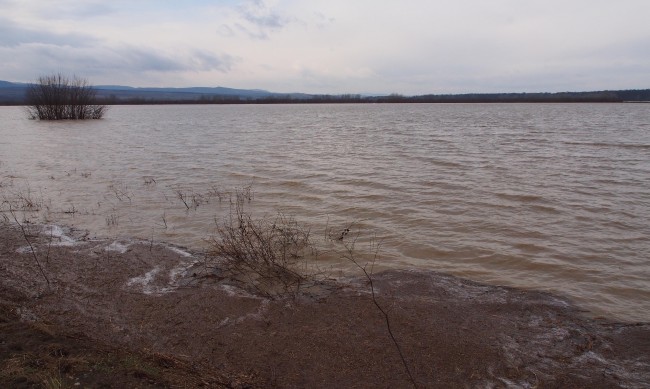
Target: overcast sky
{"points": [[333, 46]]}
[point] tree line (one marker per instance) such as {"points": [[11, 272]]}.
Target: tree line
{"points": [[561, 97]]}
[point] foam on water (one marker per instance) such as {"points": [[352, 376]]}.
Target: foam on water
{"points": [[25, 249], [179, 251], [117, 247], [60, 238], [144, 281]]}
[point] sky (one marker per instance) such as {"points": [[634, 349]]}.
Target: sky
{"points": [[409, 47]]}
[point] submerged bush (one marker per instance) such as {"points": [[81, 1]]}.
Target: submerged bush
{"points": [[264, 253], [57, 97]]}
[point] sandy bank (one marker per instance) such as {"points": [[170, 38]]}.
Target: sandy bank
{"points": [[157, 299]]}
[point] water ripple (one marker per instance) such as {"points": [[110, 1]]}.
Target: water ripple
{"points": [[531, 195]]}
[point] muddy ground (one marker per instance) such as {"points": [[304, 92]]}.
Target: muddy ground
{"points": [[142, 314]]}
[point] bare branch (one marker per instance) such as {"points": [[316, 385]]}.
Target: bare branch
{"points": [[31, 247], [57, 97], [350, 256]]}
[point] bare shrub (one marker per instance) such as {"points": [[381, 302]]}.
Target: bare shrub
{"points": [[217, 192], [120, 191], [112, 220], [57, 97], [245, 193], [22, 200], [265, 254], [191, 199]]}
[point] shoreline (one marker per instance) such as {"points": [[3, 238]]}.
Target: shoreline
{"points": [[157, 299]]}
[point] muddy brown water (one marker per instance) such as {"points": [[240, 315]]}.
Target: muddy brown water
{"points": [[551, 197]]}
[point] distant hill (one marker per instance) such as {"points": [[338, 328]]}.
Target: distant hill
{"points": [[14, 94], [7, 84], [185, 94], [11, 93]]}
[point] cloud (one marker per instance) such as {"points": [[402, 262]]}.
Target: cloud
{"points": [[12, 34], [206, 61], [140, 59], [34, 45], [259, 14], [334, 46], [74, 10], [98, 61], [256, 20]]}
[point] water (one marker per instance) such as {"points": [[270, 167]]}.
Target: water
{"points": [[554, 197]]}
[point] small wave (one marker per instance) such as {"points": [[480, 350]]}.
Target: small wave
{"points": [[363, 183], [615, 145], [293, 184], [530, 248], [546, 209], [439, 162], [519, 197]]}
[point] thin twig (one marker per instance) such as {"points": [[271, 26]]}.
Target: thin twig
{"points": [[49, 245], [22, 228], [350, 256]]}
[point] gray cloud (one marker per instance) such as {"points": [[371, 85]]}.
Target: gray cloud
{"points": [[98, 61], [139, 59], [142, 59], [256, 21], [256, 12], [202, 60], [331, 46], [225, 31], [255, 33], [75, 10], [12, 34]]}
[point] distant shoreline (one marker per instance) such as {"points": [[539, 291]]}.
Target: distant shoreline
{"points": [[184, 102], [14, 94]]}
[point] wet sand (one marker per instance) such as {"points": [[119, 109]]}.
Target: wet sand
{"points": [[161, 302]]}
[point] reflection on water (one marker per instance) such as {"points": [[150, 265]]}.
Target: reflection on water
{"points": [[543, 196]]}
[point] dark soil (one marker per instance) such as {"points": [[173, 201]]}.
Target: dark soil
{"points": [[149, 316]]}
